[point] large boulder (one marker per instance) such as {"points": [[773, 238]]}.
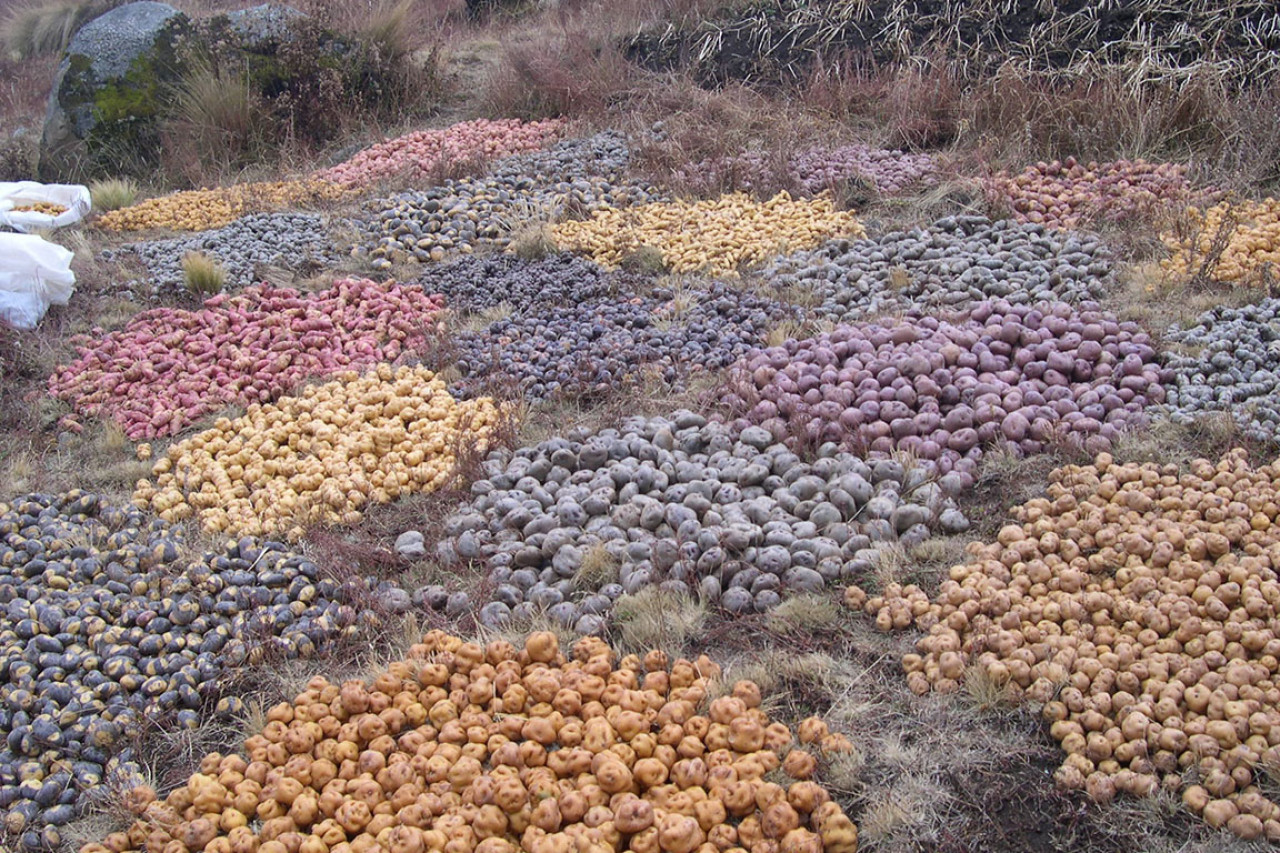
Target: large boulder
{"points": [[110, 92], [260, 29]]}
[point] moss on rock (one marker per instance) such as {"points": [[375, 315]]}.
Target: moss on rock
{"points": [[112, 91]]}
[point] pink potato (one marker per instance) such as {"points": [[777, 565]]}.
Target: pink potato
{"points": [[169, 367]]}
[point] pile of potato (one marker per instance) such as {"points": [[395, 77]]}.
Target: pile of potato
{"points": [[111, 621], [46, 207], [716, 236], [493, 749], [170, 367], [1067, 194], [1247, 232], [198, 210], [320, 457], [421, 153], [1028, 377], [1138, 603]]}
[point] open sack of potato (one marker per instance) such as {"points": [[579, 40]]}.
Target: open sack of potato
{"points": [[28, 205], [34, 274]]}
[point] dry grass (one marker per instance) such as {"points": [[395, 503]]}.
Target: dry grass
{"points": [[599, 567], [516, 631], [1006, 478], [391, 27], [1162, 441], [219, 125], [203, 275], [533, 242], [113, 193], [99, 459], [645, 260], [648, 396], [105, 811], [1160, 301], [558, 72], [655, 618], [34, 28], [482, 319], [1161, 824], [804, 614], [793, 685]]}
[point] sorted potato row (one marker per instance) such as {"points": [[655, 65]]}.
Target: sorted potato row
{"points": [[717, 236], [320, 457], [199, 210], [947, 390], [572, 524], [1066, 194], [587, 347], [1230, 363], [243, 249], [1138, 604], [956, 261], [811, 171], [1232, 242], [461, 216], [423, 153], [494, 749], [169, 367]]}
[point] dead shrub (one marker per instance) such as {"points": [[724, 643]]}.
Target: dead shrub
{"points": [[577, 73]]}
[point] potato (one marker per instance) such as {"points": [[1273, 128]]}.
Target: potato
{"points": [[1136, 641], [409, 789]]}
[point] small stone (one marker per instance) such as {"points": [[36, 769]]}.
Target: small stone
{"points": [[953, 521], [411, 545]]}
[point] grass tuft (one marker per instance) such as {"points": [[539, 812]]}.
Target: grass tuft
{"points": [[390, 28], [219, 124], [516, 631], [599, 567], [646, 260], [35, 29], [655, 618], [204, 276], [113, 193], [984, 693], [804, 614], [533, 242]]}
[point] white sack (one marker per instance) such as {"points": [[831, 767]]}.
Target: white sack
{"points": [[34, 274], [74, 197]]}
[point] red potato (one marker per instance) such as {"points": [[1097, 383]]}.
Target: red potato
{"points": [[423, 152], [168, 368], [1068, 194]]}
